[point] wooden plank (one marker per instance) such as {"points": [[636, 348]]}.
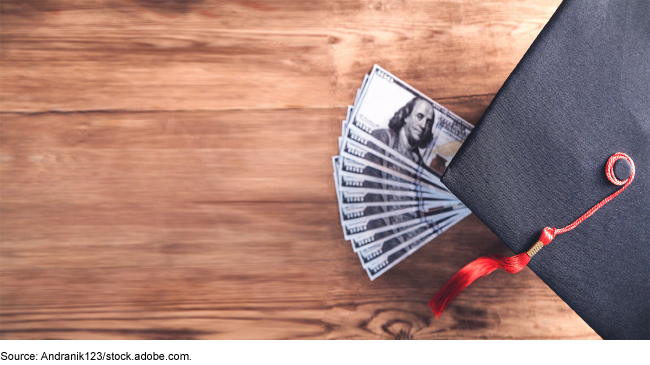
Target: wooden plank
{"points": [[213, 55], [200, 156], [229, 252], [442, 48], [163, 55]]}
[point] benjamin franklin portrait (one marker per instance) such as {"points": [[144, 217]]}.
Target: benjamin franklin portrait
{"points": [[409, 129]]}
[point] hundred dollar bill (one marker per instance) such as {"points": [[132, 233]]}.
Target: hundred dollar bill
{"points": [[388, 261], [357, 203], [394, 219], [356, 188], [360, 181], [376, 216], [365, 170], [354, 195], [377, 236], [360, 210], [364, 184], [358, 217], [372, 245], [371, 250], [374, 150], [358, 152], [406, 125], [384, 169], [372, 254]]}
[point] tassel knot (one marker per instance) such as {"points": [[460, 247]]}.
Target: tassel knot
{"points": [[547, 235]]}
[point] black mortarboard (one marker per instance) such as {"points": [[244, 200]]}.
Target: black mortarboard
{"points": [[537, 158]]}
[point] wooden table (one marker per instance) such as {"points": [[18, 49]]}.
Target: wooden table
{"points": [[165, 169]]}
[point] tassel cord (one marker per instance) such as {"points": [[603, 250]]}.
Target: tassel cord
{"points": [[485, 265], [609, 172]]}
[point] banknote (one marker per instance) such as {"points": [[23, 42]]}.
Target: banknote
{"points": [[364, 210], [362, 181], [372, 254], [389, 261], [373, 250], [394, 218], [353, 195], [404, 124], [359, 175], [361, 217], [385, 156], [363, 242], [377, 236], [367, 170], [356, 151]]}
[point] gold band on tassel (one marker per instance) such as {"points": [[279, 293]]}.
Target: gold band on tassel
{"points": [[535, 249]]}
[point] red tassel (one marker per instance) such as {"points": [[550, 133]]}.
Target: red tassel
{"points": [[487, 264], [473, 271], [482, 267]]}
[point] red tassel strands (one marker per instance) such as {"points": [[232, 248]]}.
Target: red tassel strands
{"points": [[487, 264]]}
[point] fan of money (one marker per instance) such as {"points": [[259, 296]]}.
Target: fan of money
{"points": [[395, 145]]}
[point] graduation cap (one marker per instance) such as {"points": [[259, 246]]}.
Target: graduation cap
{"points": [[566, 143]]}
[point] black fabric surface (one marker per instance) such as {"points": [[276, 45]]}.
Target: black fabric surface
{"points": [[537, 158]]}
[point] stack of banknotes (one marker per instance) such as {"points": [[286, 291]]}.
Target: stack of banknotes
{"points": [[394, 146]]}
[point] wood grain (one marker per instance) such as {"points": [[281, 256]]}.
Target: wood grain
{"points": [[165, 170]]}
